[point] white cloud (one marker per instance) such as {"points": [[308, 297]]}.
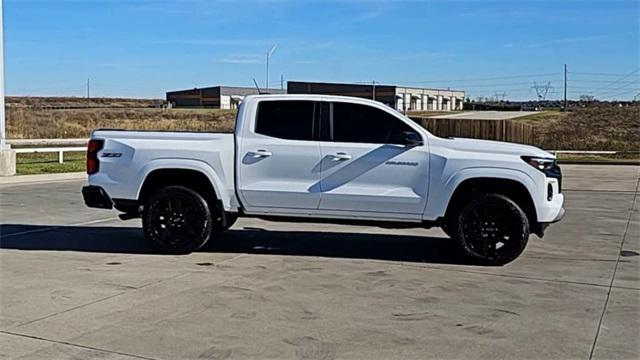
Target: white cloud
{"points": [[365, 16], [566, 40], [242, 59]]}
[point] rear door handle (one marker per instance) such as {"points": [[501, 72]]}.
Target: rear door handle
{"points": [[341, 156], [260, 153]]}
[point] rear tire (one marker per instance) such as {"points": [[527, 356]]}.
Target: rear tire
{"points": [[492, 229], [177, 219]]}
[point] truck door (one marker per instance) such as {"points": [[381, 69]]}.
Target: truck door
{"points": [[278, 158], [373, 162]]}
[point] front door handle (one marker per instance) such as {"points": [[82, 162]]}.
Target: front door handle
{"points": [[260, 153], [341, 156]]}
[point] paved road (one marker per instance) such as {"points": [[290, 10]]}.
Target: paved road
{"points": [[76, 282], [486, 115]]}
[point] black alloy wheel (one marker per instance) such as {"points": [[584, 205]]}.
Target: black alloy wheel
{"points": [[178, 219], [492, 229]]}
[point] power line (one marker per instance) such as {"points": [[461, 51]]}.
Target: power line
{"points": [[628, 91], [590, 81], [626, 85], [481, 79], [501, 84], [595, 74], [614, 82]]}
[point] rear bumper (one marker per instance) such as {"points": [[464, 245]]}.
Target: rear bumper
{"points": [[96, 197]]}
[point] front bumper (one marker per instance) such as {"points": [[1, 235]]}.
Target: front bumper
{"points": [[559, 216], [96, 197], [540, 227]]}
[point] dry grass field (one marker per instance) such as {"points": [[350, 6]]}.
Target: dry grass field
{"points": [[29, 117], [78, 123], [597, 128], [45, 101]]}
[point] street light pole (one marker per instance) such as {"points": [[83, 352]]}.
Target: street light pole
{"points": [[7, 155], [269, 53], [3, 134]]}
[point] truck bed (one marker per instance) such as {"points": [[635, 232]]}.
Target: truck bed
{"points": [[128, 157]]}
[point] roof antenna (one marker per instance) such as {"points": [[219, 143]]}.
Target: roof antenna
{"points": [[257, 87]]}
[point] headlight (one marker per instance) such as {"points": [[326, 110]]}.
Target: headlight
{"points": [[547, 166], [542, 164]]}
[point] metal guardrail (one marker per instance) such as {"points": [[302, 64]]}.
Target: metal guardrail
{"points": [[586, 152], [47, 142], [59, 150]]}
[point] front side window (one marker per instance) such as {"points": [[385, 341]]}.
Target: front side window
{"points": [[366, 124], [291, 120]]}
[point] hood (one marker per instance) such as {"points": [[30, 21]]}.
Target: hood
{"points": [[494, 147]]}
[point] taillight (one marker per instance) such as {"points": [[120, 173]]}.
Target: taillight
{"points": [[93, 164]]}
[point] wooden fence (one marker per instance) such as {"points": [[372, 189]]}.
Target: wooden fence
{"points": [[501, 130]]}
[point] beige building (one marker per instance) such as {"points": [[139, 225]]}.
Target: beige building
{"points": [[409, 98], [398, 97]]}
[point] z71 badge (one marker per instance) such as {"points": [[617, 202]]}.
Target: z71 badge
{"points": [[110, 155]]}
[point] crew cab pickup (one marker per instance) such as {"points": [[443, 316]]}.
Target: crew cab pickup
{"points": [[322, 158]]}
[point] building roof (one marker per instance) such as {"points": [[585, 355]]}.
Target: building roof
{"points": [[370, 85], [230, 90]]}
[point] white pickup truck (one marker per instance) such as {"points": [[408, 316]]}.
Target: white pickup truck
{"points": [[325, 159]]}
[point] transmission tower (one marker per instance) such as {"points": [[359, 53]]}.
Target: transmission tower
{"points": [[500, 96], [542, 90]]}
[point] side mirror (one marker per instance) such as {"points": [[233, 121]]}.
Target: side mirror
{"points": [[412, 139]]}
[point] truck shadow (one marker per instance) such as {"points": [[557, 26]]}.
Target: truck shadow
{"points": [[130, 240]]}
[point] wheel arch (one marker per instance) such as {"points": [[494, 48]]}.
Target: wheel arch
{"points": [[514, 189], [191, 173]]}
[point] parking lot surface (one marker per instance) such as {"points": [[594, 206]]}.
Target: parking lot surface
{"points": [[79, 283]]}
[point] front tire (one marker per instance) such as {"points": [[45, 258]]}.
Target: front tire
{"points": [[492, 229], [178, 219]]}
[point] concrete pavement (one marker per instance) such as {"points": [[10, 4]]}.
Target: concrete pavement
{"points": [[41, 178], [79, 283]]}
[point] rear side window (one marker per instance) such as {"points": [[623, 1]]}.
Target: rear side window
{"points": [[292, 120], [365, 124]]}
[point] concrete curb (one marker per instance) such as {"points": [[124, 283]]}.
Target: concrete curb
{"points": [[41, 178]]}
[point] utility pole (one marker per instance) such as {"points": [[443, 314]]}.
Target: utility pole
{"points": [[281, 82], [373, 90], [269, 53], [565, 87], [88, 89]]}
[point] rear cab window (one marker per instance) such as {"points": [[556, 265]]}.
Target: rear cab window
{"points": [[286, 119]]}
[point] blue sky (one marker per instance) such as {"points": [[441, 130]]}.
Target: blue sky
{"points": [[144, 48]]}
